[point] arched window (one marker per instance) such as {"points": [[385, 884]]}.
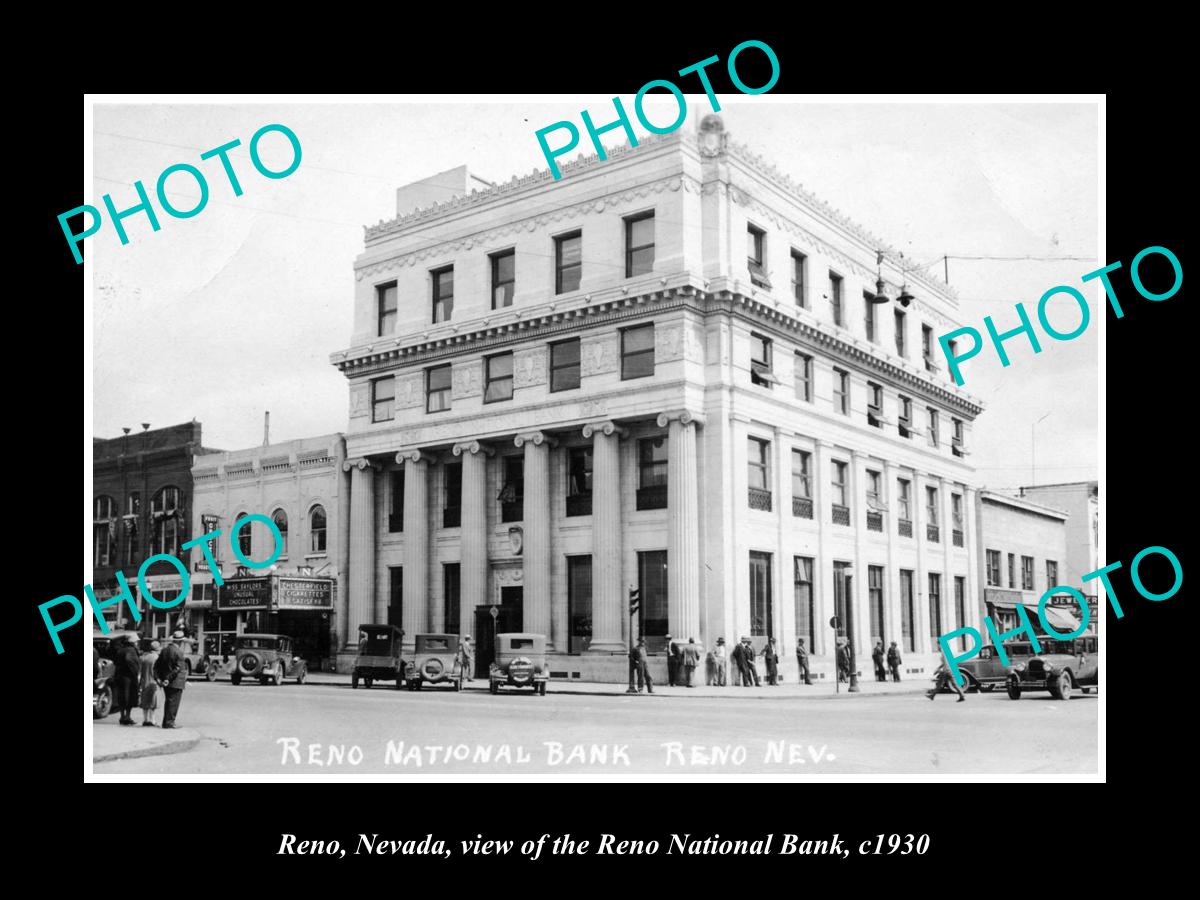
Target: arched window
{"points": [[279, 517], [104, 532], [316, 529], [132, 518], [166, 521], [244, 537]]}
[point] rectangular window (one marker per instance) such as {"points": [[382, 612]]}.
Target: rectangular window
{"points": [[956, 515], [652, 473], [841, 391], [806, 613], [383, 399], [874, 489], [875, 601], [498, 377], [869, 315], [906, 424], [385, 297], [841, 506], [935, 608], [1027, 573], [835, 297], [443, 294], [907, 612], [761, 611], [395, 610], [133, 513], [396, 500], [504, 278], [901, 335], [437, 389], [637, 351], [931, 505], [927, 348], [452, 508], [802, 474], [904, 499], [993, 567], [758, 454], [1012, 570], [933, 426], [568, 262], [874, 404], [803, 376], [564, 365], [798, 286], [1051, 574], [639, 244], [760, 361], [579, 481], [451, 584], [841, 590], [756, 256], [960, 608], [956, 441], [579, 603], [652, 587], [512, 492]]}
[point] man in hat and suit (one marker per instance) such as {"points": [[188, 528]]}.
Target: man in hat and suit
{"points": [[877, 656], [943, 679], [893, 658], [638, 666], [691, 658], [125, 677], [738, 655], [771, 658], [719, 662], [802, 661], [171, 672], [843, 660], [751, 667], [672, 663]]}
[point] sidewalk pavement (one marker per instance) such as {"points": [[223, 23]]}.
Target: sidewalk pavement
{"points": [[111, 740], [820, 690]]}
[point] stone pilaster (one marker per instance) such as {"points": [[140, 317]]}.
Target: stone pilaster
{"points": [[360, 606], [415, 615], [536, 525], [608, 593], [474, 559], [683, 547]]}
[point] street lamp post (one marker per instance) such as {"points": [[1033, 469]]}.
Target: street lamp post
{"points": [[853, 687], [1033, 451]]}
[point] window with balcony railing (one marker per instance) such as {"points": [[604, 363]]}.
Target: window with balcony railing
{"points": [[874, 520], [760, 499], [802, 507], [905, 528], [958, 538], [932, 533], [841, 515]]}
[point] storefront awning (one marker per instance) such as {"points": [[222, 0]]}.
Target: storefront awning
{"points": [[1057, 617]]}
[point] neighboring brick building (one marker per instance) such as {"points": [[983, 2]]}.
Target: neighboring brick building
{"points": [[1080, 500], [673, 369], [141, 506]]}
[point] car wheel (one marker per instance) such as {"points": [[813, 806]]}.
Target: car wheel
{"points": [[210, 672], [277, 678], [1014, 689], [1061, 689], [102, 702], [303, 674], [235, 678], [354, 681]]}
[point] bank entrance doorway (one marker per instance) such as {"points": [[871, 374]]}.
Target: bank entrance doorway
{"points": [[508, 618]]}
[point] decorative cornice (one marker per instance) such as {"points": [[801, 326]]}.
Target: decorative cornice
{"points": [[473, 447], [607, 428], [537, 438]]}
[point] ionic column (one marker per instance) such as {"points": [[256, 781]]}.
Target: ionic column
{"points": [[608, 594], [972, 548], [947, 515], [474, 559], [360, 605], [414, 616], [536, 524], [683, 544]]}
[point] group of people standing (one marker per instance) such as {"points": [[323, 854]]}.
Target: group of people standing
{"points": [[139, 678]]}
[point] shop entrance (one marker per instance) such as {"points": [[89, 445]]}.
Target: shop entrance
{"points": [[309, 632], [508, 618]]}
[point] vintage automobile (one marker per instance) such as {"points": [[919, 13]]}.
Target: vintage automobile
{"points": [[520, 662], [197, 663], [103, 669], [985, 672], [436, 660], [378, 656], [1059, 668], [267, 657]]}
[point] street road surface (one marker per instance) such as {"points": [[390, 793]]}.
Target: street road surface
{"points": [[668, 733]]}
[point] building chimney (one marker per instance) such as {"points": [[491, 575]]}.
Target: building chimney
{"points": [[266, 428]]}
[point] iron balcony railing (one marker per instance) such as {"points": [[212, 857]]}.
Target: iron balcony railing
{"points": [[802, 507], [760, 499]]}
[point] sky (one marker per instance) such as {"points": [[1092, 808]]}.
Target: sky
{"points": [[235, 311]]}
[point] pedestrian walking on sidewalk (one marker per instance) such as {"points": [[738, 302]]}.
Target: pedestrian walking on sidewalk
{"points": [[943, 679], [771, 659], [877, 655], [149, 685], [802, 662], [690, 656], [893, 658], [466, 657], [843, 661], [719, 662], [125, 678], [172, 675]]}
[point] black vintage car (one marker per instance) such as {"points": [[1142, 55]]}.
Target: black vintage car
{"points": [[103, 669], [378, 656], [267, 657]]}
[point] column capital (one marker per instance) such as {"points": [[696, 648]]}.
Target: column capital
{"points": [[537, 438], [685, 417], [360, 463], [473, 447], [607, 427], [416, 455]]}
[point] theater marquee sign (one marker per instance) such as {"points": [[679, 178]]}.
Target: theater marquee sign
{"points": [[304, 593], [275, 592]]}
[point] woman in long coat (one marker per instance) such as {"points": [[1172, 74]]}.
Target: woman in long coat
{"points": [[149, 685], [125, 679]]}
